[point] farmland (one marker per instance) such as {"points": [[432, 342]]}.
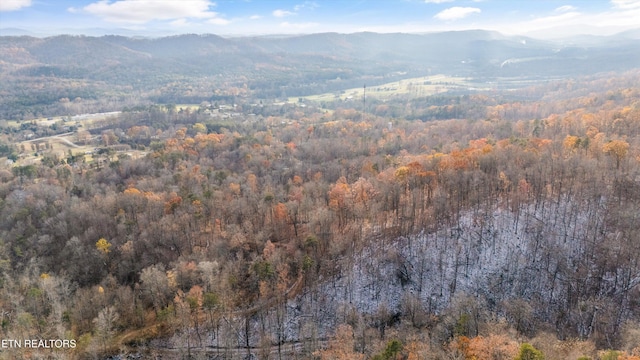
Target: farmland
{"points": [[412, 87]]}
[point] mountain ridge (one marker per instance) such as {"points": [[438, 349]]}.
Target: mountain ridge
{"points": [[170, 68], [436, 49]]}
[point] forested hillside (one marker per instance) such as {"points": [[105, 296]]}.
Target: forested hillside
{"points": [[43, 77], [475, 226]]}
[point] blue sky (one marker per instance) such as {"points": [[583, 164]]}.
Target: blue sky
{"points": [[543, 18]]}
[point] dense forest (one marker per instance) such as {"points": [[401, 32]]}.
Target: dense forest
{"points": [[446, 227]]}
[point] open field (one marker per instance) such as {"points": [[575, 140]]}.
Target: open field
{"points": [[59, 146], [190, 107], [420, 86], [426, 86], [67, 120]]}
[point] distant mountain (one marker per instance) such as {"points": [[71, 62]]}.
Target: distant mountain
{"points": [[175, 68], [96, 32], [436, 48], [175, 46], [630, 34], [15, 32], [459, 52]]}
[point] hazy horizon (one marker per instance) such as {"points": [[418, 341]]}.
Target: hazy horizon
{"points": [[155, 18]]}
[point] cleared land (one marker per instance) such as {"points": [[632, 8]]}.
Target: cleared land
{"points": [[419, 86], [61, 145]]}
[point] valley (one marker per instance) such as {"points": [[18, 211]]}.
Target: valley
{"points": [[196, 196]]}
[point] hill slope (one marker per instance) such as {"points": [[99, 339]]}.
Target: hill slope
{"points": [[195, 68]]}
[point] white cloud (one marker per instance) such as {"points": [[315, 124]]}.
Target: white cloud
{"points": [[306, 5], [298, 26], [255, 17], [282, 13], [626, 4], [623, 15], [564, 9], [143, 11], [219, 21], [179, 23], [12, 5], [456, 13], [437, 1], [627, 18], [555, 20]]}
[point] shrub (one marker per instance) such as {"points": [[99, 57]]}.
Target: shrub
{"points": [[394, 347], [609, 355], [528, 352]]}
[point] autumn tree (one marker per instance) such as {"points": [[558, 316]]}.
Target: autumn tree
{"points": [[155, 286], [617, 149], [341, 347], [105, 324]]}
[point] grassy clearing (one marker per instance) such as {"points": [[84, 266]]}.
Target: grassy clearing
{"points": [[190, 107], [416, 87], [83, 120], [59, 146]]}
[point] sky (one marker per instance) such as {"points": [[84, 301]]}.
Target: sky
{"points": [[541, 18]]}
